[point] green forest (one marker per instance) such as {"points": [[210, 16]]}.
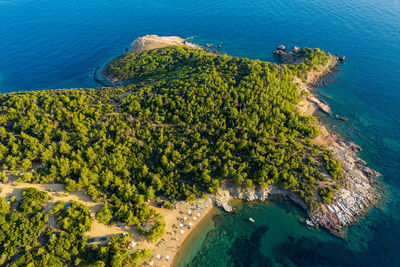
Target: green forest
{"points": [[28, 240], [185, 121]]}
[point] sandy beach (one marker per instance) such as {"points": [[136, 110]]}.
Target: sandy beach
{"points": [[174, 238], [180, 221]]}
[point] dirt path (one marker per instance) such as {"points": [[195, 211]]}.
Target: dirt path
{"points": [[58, 193], [167, 246]]}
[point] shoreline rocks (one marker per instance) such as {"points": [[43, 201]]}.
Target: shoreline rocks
{"points": [[321, 105], [150, 42], [284, 56], [350, 202], [358, 194]]}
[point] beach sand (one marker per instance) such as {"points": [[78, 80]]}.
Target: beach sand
{"points": [[167, 246], [172, 241]]}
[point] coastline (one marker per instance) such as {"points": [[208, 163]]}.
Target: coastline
{"points": [[349, 203], [358, 194], [186, 245], [141, 44], [168, 245], [352, 201]]}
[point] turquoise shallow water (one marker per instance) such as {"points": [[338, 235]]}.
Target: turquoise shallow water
{"points": [[58, 44]]}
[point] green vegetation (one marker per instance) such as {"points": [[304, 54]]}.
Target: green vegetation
{"points": [[168, 205], [28, 240], [116, 254], [104, 215], [187, 121], [21, 228], [333, 166], [326, 193]]}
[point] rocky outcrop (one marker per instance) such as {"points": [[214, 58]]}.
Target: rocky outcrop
{"points": [[150, 42], [228, 192], [321, 105], [348, 204], [358, 194], [281, 48], [288, 57]]}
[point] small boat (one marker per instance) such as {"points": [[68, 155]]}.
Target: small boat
{"points": [[251, 219]]}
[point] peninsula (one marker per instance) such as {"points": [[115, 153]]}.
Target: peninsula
{"points": [[177, 130]]}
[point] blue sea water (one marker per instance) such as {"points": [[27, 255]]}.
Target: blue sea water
{"points": [[58, 44]]}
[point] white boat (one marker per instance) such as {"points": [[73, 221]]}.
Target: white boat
{"points": [[251, 219]]}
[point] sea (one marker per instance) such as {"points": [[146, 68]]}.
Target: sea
{"points": [[58, 44]]}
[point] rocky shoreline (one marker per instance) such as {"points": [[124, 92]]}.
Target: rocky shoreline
{"points": [[357, 194], [350, 202]]}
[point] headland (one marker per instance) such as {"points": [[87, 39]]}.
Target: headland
{"points": [[183, 123]]}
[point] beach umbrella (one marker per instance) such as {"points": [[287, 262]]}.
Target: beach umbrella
{"points": [[158, 256], [182, 231], [181, 225], [198, 215], [197, 206], [185, 218], [151, 263], [167, 257], [190, 224]]}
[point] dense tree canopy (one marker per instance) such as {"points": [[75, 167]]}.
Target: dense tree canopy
{"points": [[185, 121], [27, 239]]}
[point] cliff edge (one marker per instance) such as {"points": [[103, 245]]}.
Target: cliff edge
{"points": [[357, 194]]}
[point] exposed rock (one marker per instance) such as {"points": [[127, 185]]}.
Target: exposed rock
{"points": [[322, 106], [288, 57], [281, 48], [228, 192], [352, 201], [150, 42], [357, 194], [360, 161], [344, 119], [310, 223], [342, 58], [354, 147]]}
